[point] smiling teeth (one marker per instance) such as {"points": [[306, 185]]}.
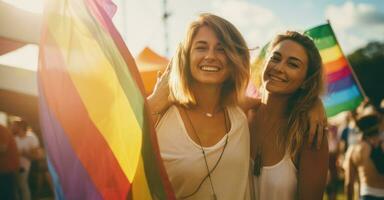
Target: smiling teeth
{"points": [[276, 78], [210, 69]]}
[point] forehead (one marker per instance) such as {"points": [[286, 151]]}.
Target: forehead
{"points": [[206, 34], [289, 48]]}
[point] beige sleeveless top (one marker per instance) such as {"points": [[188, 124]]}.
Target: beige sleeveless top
{"points": [[185, 165]]}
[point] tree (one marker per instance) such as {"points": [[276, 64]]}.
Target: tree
{"points": [[368, 64]]}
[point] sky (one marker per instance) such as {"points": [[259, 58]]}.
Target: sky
{"points": [[355, 22], [140, 22]]}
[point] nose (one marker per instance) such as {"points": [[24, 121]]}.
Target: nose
{"points": [[278, 67], [211, 54]]}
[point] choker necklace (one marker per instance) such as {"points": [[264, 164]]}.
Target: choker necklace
{"points": [[214, 196]]}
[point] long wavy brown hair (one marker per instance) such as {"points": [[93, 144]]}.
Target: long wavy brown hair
{"points": [[305, 97]]}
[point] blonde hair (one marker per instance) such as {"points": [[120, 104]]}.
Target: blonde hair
{"points": [[305, 97], [236, 50]]}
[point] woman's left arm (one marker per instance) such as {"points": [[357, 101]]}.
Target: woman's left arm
{"points": [[313, 169]]}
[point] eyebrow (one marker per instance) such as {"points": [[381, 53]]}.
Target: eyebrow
{"points": [[296, 59], [205, 43], [290, 58], [200, 42]]}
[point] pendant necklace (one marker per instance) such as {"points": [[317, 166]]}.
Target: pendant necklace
{"points": [[210, 114], [209, 172]]}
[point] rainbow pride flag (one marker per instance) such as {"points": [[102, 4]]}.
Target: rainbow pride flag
{"points": [[97, 130], [342, 90]]}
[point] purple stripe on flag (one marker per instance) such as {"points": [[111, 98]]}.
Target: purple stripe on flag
{"points": [[335, 76], [341, 84], [75, 182]]}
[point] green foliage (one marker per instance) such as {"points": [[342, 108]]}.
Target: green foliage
{"points": [[368, 64]]}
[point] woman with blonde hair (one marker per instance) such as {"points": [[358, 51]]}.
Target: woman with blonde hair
{"points": [[285, 167], [204, 136]]}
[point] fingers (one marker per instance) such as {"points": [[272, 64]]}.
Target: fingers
{"points": [[166, 72], [168, 68], [322, 129], [158, 75], [317, 130], [319, 135], [313, 126]]}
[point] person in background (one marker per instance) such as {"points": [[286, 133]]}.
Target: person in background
{"points": [[350, 133], [364, 161], [28, 147], [285, 167], [9, 164]]}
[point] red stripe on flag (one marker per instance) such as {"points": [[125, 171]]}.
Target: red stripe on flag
{"points": [[335, 76]]}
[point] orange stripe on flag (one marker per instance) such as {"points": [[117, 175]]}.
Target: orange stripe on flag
{"points": [[335, 65]]}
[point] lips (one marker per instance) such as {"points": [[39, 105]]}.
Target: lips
{"points": [[277, 78], [210, 68]]}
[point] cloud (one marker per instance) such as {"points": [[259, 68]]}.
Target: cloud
{"points": [[356, 24]]}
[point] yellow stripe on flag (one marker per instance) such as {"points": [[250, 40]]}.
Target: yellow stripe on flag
{"points": [[331, 54], [96, 82]]}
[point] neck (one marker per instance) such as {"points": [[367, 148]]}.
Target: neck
{"points": [[275, 105], [207, 97]]}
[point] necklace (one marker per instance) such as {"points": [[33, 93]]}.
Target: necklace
{"points": [[214, 196], [210, 114]]}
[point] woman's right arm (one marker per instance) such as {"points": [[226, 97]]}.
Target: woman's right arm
{"points": [[159, 101]]}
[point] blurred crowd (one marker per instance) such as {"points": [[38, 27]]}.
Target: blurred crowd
{"points": [[356, 158], [23, 168]]}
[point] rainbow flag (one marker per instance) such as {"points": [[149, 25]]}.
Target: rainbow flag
{"points": [[342, 90], [97, 130]]}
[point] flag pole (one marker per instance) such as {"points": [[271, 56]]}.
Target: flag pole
{"points": [[349, 65], [166, 15]]}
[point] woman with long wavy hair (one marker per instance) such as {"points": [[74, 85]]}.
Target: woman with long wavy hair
{"points": [[284, 164]]}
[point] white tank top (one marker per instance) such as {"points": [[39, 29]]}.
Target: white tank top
{"points": [[184, 161], [368, 190], [277, 182]]}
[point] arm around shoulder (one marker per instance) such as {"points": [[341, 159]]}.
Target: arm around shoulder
{"points": [[313, 169]]}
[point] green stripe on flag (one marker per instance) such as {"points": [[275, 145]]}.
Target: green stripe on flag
{"points": [[321, 31], [325, 42], [348, 105]]}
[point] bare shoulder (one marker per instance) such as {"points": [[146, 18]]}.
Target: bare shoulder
{"points": [[360, 152], [362, 147]]}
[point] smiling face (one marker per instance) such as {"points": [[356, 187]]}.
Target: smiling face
{"points": [[208, 60], [286, 68]]}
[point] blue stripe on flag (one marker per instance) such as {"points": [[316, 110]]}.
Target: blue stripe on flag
{"points": [[333, 99], [59, 194]]}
